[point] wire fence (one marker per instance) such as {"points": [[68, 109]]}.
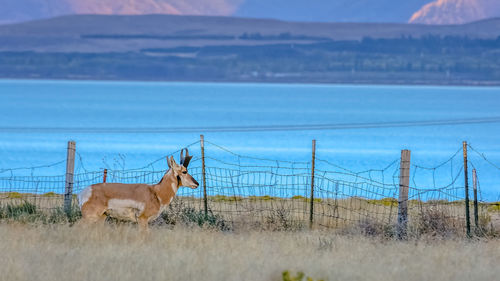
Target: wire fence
{"points": [[269, 193]]}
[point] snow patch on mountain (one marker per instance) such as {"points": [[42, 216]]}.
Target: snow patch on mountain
{"points": [[456, 11]]}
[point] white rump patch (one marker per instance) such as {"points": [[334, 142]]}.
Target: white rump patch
{"points": [[84, 195]]}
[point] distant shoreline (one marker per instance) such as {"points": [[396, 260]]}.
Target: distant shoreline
{"points": [[367, 83]]}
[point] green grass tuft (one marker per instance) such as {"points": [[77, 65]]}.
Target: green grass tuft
{"points": [[14, 195], [263, 198], [223, 198], [384, 201], [299, 197], [50, 194], [287, 276], [494, 207]]}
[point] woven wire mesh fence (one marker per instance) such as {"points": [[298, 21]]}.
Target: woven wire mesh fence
{"points": [[439, 201], [345, 197], [269, 193]]}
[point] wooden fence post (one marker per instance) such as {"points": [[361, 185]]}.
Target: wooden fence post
{"points": [[70, 168], [404, 182], [466, 183], [476, 212], [105, 175], [311, 208], [205, 200]]}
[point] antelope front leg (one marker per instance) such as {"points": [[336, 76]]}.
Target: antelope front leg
{"points": [[92, 215], [91, 220], [143, 224]]}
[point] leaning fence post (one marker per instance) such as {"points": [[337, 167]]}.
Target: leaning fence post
{"points": [[205, 201], [474, 186], [311, 208], [105, 175], [70, 168], [466, 182], [404, 182]]}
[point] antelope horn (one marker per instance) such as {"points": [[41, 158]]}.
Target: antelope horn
{"points": [[185, 158]]}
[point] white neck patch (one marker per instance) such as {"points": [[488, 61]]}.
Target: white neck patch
{"points": [[174, 187], [174, 182]]}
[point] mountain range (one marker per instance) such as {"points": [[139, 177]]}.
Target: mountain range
{"points": [[131, 33], [24, 10], [415, 11]]}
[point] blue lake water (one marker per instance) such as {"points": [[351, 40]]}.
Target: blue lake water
{"points": [[91, 104]]}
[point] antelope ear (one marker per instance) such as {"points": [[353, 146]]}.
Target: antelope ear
{"points": [[171, 162]]}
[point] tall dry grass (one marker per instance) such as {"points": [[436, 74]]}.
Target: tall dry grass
{"points": [[267, 213], [121, 252]]}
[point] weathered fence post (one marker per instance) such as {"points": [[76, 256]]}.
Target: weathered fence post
{"points": [[466, 183], [70, 168], [205, 200], [474, 186], [311, 208], [105, 175], [404, 182]]}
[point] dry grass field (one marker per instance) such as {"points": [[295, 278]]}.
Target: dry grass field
{"points": [[247, 239], [273, 213], [121, 252]]}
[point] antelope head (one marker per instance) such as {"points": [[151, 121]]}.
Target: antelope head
{"points": [[180, 170]]}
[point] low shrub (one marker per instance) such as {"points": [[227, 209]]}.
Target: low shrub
{"points": [[485, 227], [27, 212], [280, 219], [177, 214], [436, 222], [373, 228], [14, 211], [439, 202], [198, 217]]}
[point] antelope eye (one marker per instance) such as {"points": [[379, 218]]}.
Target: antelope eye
{"points": [[184, 172]]}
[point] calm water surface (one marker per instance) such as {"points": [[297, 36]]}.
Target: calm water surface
{"points": [[89, 104]]}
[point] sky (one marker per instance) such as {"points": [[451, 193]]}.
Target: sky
{"points": [[414, 11]]}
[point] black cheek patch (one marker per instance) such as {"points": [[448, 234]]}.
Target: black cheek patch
{"points": [[179, 181]]}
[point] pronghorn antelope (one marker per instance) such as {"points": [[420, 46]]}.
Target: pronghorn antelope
{"points": [[136, 202]]}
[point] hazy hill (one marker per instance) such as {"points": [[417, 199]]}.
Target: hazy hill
{"points": [[98, 33], [203, 48]]}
